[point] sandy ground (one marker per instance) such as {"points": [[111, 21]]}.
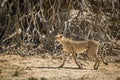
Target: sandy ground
{"points": [[15, 67]]}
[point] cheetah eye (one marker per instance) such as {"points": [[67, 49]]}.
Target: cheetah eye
{"points": [[60, 36]]}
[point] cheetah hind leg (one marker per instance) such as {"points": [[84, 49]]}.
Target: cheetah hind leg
{"points": [[96, 65]]}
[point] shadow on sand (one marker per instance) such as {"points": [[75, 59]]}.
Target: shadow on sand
{"points": [[76, 68]]}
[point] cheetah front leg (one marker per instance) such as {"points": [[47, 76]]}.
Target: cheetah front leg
{"points": [[79, 65], [64, 59]]}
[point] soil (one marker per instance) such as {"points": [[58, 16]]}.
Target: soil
{"points": [[15, 67]]}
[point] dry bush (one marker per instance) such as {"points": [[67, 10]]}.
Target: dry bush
{"points": [[28, 27]]}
